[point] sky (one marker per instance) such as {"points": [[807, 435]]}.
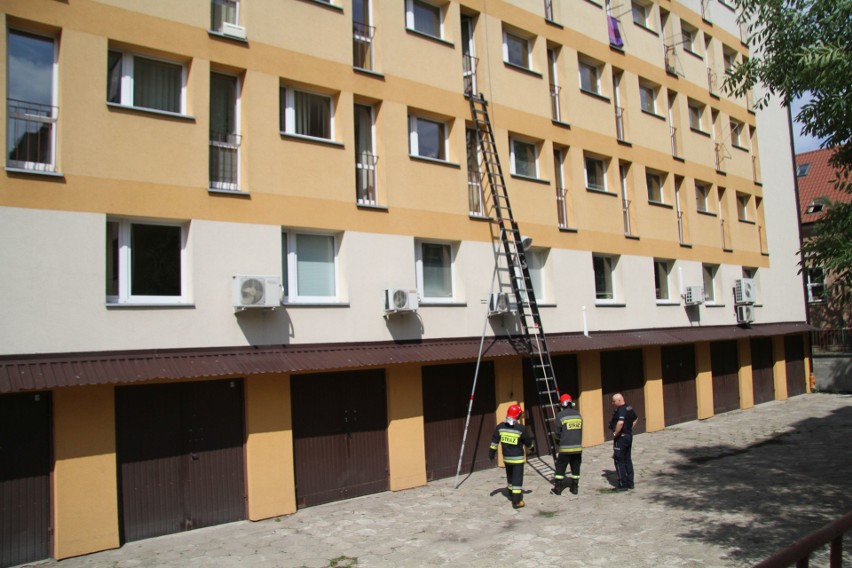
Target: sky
{"points": [[801, 142]]}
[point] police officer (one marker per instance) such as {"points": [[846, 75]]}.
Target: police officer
{"points": [[569, 432], [624, 419], [513, 436]]}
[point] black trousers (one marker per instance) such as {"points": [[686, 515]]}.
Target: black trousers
{"points": [[515, 480], [563, 460], [621, 454]]}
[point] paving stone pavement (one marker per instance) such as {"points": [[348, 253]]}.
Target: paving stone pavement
{"points": [[727, 491]]}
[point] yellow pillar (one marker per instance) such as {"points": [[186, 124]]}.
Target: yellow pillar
{"points": [[779, 367], [703, 380], [808, 363], [745, 374], [654, 406], [590, 403], [270, 474], [508, 384], [85, 486], [406, 430]]}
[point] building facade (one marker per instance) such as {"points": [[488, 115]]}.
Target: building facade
{"points": [[207, 207]]}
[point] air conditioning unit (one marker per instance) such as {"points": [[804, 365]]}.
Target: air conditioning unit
{"points": [[693, 295], [745, 313], [399, 300], [745, 291], [499, 303], [256, 292], [233, 30]]}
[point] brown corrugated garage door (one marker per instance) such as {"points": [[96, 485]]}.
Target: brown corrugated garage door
{"points": [[794, 353], [180, 456], [724, 363], [763, 381], [680, 401], [25, 442], [622, 371], [340, 442], [567, 380], [446, 398]]}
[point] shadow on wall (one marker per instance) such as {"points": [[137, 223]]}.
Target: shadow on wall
{"points": [[266, 327], [833, 372]]}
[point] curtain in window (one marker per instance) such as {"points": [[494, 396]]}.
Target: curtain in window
{"points": [[437, 281], [517, 50], [157, 84], [524, 158], [313, 115], [427, 18], [315, 265], [223, 11], [430, 139]]}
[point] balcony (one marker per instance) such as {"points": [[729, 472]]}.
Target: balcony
{"points": [[31, 135], [225, 161], [619, 124], [365, 179], [362, 46], [555, 105]]}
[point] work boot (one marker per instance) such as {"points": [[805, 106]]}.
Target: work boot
{"points": [[558, 486], [575, 486], [518, 505]]}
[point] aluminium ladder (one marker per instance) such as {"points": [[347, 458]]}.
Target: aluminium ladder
{"points": [[509, 248]]}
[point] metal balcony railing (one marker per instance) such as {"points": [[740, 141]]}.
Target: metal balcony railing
{"points": [[469, 64], [669, 56], [680, 233], [675, 142], [562, 208], [719, 156], [832, 340], [555, 106], [225, 160], [625, 211], [619, 124], [362, 45], [30, 135], [712, 81], [755, 169], [476, 199], [722, 230], [365, 179]]}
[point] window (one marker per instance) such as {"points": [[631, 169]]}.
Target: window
{"points": [[146, 262], [736, 133], [641, 14], [309, 267], [423, 17], [516, 50], [303, 113], [662, 273], [696, 115], [604, 267], [816, 285], [709, 275], [476, 199], [590, 77], [31, 113], [435, 271], [224, 11], [595, 173], [648, 97], [224, 133], [730, 58], [742, 207], [144, 82], [362, 35], [365, 158], [803, 169], [654, 184], [817, 205], [524, 158], [427, 138], [689, 37], [702, 196], [536, 259]]}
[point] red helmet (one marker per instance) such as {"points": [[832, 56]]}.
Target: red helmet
{"points": [[565, 399], [514, 412]]}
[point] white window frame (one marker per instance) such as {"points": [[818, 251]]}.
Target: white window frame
{"points": [[290, 263], [743, 200], [513, 162], [660, 181], [537, 267], [128, 61], [648, 97], [414, 137], [662, 280], [702, 204], [124, 259], [603, 168], [815, 278], [736, 133], [710, 277], [689, 35], [289, 111], [419, 269], [595, 70], [516, 37], [411, 21], [236, 18], [695, 113], [644, 14], [609, 264], [231, 144]]}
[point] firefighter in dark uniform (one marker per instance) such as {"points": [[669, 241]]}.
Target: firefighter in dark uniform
{"points": [[569, 435], [513, 436], [624, 418]]}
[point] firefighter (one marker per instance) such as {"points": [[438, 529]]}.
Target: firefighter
{"points": [[513, 436], [569, 435]]}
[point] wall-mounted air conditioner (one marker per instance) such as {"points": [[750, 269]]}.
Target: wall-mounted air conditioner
{"points": [[745, 291], [693, 295], [745, 314], [256, 292], [233, 30], [499, 303], [400, 300]]}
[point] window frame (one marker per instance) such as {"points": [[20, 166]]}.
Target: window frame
{"points": [[645, 16], [695, 115], [595, 68], [743, 201], [127, 80], [507, 51], [414, 137], [609, 265], [709, 274], [815, 280], [603, 172], [450, 268], [290, 267], [411, 17], [232, 143], [648, 97], [219, 24], [287, 112], [513, 157], [705, 189], [662, 280], [660, 186], [689, 36]]}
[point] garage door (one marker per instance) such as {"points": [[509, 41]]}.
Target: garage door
{"points": [[763, 380], [726, 385], [621, 371], [680, 400], [567, 380], [794, 353], [446, 398], [339, 435], [180, 456], [25, 436]]}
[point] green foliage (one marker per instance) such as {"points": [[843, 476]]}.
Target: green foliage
{"points": [[831, 245]]}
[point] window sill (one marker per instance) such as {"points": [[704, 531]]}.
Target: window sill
{"points": [[654, 114], [522, 69], [692, 53], [646, 28], [140, 305], [609, 304], [568, 229], [625, 143], [315, 304], [701, 132], [329, 5], [631, 236], [667, 303], [708, 213], [660, 204], [595, 95], [529, 178], [372, 207], [229, 192], [478, 217], [426, 302], [601, 191], [434, 161], [746, 221], [436, 39], [713, 305], [31, 172], [369, 72], [617, 48], [143, 110], [560, 124], [741, 148], [313, 139], [593, 3], [553, 23], [686, 245], [220, 35]]}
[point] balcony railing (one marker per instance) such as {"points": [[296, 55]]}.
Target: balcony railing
{"points": [[719, 156], [625, 210], [362, 45], [680, 235], [619, 124], [724, 238], [555, 107], [476, 199], [670, 56], [30, 136], [755, 169], [832, 340], [469, 64], [712, 81], [562, 207], [225, 161], [365, 178], [675, 142]]}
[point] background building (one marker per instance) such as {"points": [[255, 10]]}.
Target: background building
{"points": [[168, 161]]}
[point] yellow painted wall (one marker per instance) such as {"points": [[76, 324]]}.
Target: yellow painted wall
{"points": [[406, 436], [808, 361], [745, 374], [703, 380], [85, 495], [269, 447], [591, 391], [779, 367], [655, 416], [508, 387]]}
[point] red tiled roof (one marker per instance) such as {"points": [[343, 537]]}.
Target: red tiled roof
{"points": [[817, 183]]}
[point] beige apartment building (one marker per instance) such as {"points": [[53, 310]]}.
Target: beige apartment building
{"points": [[248, 255]]}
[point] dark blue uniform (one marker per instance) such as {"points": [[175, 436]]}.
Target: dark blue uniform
{"points": [[569, 430], [513, 437], [622, 445]]}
